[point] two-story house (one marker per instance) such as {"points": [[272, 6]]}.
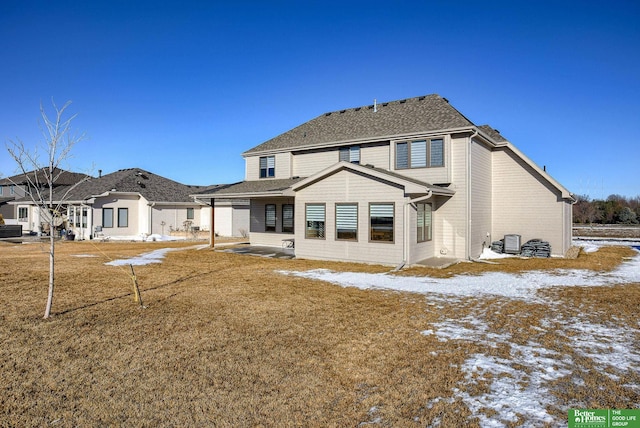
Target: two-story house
{"points": [[18, 187], [397, 182]]}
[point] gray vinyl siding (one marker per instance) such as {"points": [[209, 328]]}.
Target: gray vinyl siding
{"points": [[526, 204], [450, 219], [347, 187], [376, 155], [568, 225], [429, 175], [257, 235], [283, 166], [480, 198], [421, 250], [240, 221], [308, 163]]}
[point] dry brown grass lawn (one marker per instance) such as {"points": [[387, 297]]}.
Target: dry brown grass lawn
{"points": [[226, 341]]}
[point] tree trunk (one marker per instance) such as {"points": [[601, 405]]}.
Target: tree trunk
{"points": [[47, 310]]}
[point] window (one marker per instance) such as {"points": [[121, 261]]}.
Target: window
{"points": [[420, 154], [270, 218], [381, 222], [315, 220], [23, 214], [189, 213], [1, 188], [287, 218], [84, 217], [107, 217], [123, 217], [12, 190], [267, 166], [424, 221], [350, 154], [347, 221], [436, 157]]}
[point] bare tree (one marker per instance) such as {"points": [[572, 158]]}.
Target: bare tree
{"points": [[41, 175]]}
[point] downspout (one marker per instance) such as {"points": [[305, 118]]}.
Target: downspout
{"points": [[405, 246], [151, 205], [468, 232]]}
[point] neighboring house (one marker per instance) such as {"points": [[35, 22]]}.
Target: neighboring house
{"points": [[16, 188], [397, 182], [132, 204]]}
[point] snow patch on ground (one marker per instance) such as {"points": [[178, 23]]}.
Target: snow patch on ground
{"points": [[146, 238], [515, 392], [155, 256]]}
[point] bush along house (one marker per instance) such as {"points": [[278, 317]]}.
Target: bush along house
{"points": [[397, 183]]}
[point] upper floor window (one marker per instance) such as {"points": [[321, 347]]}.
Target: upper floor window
{"points": [[1, 187], [267, 166], [420, 154], [12, 190], [350, 154]]}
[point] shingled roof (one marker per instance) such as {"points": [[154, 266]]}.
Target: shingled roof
{"points": [[64, 178], [250, 187], [408, 116], [152, 187], [494, 134]]}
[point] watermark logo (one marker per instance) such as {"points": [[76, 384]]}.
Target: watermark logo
{"points": [[604, 418]]}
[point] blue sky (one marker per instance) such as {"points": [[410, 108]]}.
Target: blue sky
{"points": [[183, 88]]}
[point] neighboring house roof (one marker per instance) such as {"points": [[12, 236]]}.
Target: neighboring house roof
{"points": [[246, 189], [64, 178], [411, 185], [152, 187], [384, 120]]}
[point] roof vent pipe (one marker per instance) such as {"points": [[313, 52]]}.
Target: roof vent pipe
{"points": [[99, 173], [375, 105]]}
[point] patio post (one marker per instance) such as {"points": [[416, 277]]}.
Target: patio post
{"points": [[212, 232]]}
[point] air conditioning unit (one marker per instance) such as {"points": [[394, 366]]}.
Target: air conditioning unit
{"points": [[512, 244]]}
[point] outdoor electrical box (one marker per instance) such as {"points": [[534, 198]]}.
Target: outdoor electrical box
{"points": [[512, 244]]}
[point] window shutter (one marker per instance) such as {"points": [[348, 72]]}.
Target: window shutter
{"points": [[263, 163], [402, 155], [418, 154]]}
